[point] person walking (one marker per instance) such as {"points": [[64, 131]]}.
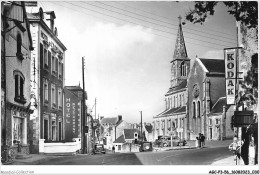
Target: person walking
{"points": [[113, 149], [202, 140]]}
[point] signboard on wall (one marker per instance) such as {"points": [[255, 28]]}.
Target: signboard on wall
{"points": [[230, 74], [72, 105], [243, 118]]}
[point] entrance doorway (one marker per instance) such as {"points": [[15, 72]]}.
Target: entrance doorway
{"points": [[210, 133], [46, 129], [60, 131]]}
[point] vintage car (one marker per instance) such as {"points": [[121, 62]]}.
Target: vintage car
{"points": [[99, 148], [176, 141], [146, 146]]}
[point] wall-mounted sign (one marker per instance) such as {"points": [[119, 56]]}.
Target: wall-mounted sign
{"points": [[243, 118], [230, 74]]}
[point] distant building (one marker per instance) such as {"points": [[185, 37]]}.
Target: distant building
{"points": [[47, 78], [206, 85], [112, 129], [126, 141], [16, 106], [173, 119]]}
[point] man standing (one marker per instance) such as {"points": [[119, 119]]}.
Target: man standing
{"points": [[113, 149], [202, 140]]}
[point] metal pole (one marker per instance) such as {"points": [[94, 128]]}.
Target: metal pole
{"points": [[84, 113], [95, 107], [141, 127]]}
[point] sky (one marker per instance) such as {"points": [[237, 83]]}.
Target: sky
{"points": [[128, 47]]}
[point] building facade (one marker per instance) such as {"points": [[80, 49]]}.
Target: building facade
{"points": [[16, 47], [173, 120], [47, 73], [206, 84]]}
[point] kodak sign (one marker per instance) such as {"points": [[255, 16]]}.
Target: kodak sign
{"points": [[230, 74]]}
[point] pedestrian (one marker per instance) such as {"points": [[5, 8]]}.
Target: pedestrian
{"points": [[199, 140], [202, 140], [113, 149]]}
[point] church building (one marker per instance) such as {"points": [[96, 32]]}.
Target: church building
{"points": [[173, 120]]}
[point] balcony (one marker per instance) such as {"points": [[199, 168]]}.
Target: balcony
{"points": [[20, 99]]}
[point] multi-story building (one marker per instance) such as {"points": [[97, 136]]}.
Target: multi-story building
{"points": [[16, 45], [173, 121], [47, 78]]}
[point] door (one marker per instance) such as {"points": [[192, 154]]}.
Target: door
{"points": [[60, 133], [210, 133], [46, 127]]}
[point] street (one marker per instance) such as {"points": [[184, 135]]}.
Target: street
{"points": [[204, 156]]}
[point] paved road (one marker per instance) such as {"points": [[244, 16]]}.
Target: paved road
{"points": [[204, 156]]}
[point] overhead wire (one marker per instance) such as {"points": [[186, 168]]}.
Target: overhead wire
{"points": [[169, 24], [146, 26], [164, 17], [167, 37]]}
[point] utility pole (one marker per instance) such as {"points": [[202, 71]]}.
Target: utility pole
{"points": [[84, 113], [141, 127], [95, 107]]}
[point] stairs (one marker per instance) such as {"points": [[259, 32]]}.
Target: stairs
{"points": [[22, 156]]}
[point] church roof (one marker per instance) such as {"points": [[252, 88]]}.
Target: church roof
{"points": [[214, 65], [173, 111], [182, 85], [218, 106], [180, 48]]}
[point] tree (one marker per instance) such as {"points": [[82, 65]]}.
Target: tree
{"points": [[244, 11]]}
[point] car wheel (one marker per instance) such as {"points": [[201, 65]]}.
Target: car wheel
{"points": [[165, 145]]}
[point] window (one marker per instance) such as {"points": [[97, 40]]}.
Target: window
{"points": [[176, 122], [59, 97], [19, 47], [53, 129], [60, 70], [19, 87], [183, 100], [210, 121], [217, 121], [53, 95], [45, 91], [183, 69], [194, 110], [19, 130], [46, 127], [53, 64], [198, 107], [180, 100], [45, 58]]}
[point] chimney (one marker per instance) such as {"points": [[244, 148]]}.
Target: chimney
{"points": [[50, 17], [119, 117]]}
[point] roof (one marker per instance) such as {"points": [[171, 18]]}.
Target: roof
{"points": [[120, 139], [218, 106], [180, 48], [214, 65], [76, 89], [149, 128], [174, 111], [129, 133], [182, 85], [109, 120]]}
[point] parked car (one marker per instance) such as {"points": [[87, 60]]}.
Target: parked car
{"points": [[176, 141], [146, 146], [99, 148]]}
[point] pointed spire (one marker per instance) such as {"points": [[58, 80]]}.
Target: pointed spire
{"points": [[180, 48]]}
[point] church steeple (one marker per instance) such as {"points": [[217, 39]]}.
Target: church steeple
{"points": [[180, 63], [180, 48]]}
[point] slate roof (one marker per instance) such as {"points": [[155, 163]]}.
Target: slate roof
{"points": [[129, 133], [109, 120], [120, 139], [149, 128], [182, 85], [173, 111], [214, 65], [218, 106]]}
